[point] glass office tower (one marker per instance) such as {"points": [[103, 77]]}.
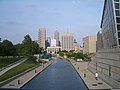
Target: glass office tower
{"points": [[110, 24]]}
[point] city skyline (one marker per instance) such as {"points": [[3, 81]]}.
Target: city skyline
{"points": [[82, 18]]}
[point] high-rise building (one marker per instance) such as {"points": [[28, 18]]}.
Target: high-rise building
{"points": [[49, 40], [56, 36], [67, 41], [110, 24], [42, 37], [89, 44], [107, 59]]}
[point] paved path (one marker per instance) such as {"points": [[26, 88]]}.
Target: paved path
{"points": [[26, 77], [90, 81], [12, 66]]}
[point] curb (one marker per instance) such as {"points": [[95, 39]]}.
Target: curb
{"points": [[79, 75], [35, 76]]}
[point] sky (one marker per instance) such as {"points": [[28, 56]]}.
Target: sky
{"points": [[21, 17]]}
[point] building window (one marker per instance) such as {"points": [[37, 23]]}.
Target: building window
{"points": [[118, 27], [118, 34], [119, 41], [116, 5], [118, 20], [117, 12], [116, 0]]}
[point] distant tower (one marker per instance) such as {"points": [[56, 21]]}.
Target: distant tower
{"points": [[49, 40], [56, 36], [42, 37], [67, 41]]}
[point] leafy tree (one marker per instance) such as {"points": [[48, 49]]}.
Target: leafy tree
{"points": [[61, 54], [35, 48], [27, 46], [7, 48], [1, 49], [18, 49]]}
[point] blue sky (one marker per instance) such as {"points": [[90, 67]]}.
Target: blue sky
{"points": [[21, 17]]}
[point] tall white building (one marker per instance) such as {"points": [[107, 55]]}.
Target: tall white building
{"points": [[89, 44], [67, 41], [42, 37]]}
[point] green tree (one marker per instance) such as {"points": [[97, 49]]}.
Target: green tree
{"points": [[18, 49], [35, 48], [1, 49], [7, 48], [27, 46]]}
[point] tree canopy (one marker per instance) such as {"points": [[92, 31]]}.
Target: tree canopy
{"points": [[26, 48]]}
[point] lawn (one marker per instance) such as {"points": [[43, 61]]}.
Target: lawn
{"points": [[4, 61], [31, 62]]}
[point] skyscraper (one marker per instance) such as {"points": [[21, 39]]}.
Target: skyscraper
{"points": [[42, 37], [89, 44], [110, 24], [56, 36], [67, 41]]}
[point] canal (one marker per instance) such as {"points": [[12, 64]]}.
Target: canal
{"points": [[60, 75]]}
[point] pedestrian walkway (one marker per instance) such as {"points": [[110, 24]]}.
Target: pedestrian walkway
{"points": [[22, 80], [12, 66], [88, 77]]}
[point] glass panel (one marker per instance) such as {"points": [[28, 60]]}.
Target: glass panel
{"points": [[116, 5], [118, 20], [118, 27], [118, 34], [116, 0], [117, 12], [119, 41]]}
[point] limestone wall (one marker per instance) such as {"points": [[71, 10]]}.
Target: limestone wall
{"points": [[107, 64]]}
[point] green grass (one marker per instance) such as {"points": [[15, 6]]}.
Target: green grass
{"points": [[6, 61], [19, 69]]}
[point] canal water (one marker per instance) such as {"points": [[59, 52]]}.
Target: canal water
{"points": [[60, 75]]}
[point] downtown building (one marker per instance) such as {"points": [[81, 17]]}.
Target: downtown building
{"points": [[107, 59], [89, 44], [110, 24], [67, 41], [42, 37], [56, 37], [53, 48], [54, 43]]}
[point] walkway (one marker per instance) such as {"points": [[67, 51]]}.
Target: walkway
{"points": [[25, 78], [88, 77], [12, 66]]}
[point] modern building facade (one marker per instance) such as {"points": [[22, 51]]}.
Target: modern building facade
{"points": [[89, 44], [56, 36], [67, 41], [107, 59], [110, 24], [42, 37]]}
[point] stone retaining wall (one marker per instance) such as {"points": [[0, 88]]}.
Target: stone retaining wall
{"points": [[107, 64]]}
